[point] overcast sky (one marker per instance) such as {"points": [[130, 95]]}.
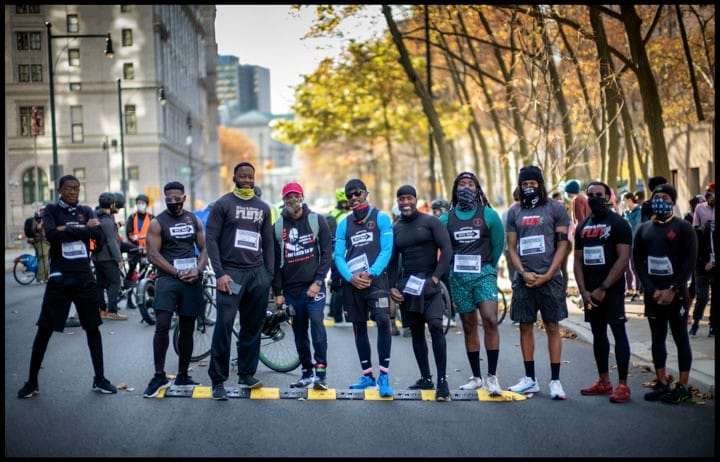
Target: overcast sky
{"points": [[269, 36]]}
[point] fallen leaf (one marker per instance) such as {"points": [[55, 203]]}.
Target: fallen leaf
{"points": [[122, 386]]}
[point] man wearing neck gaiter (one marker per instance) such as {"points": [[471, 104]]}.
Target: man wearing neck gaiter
{"points": [[476, 234], [241, 248], [415, 271], [537, 241], [363, 247]]}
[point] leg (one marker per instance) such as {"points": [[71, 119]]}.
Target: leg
{"points": [[115, 282], [40, 344], [94, 341], [601, 348], [161, 340], [488, 313], [300, 330], [682, 342], [185, 343], [252, 316], [554, 347], [362, 343], [318, 332], [417, 329], [439, 346], [622, 350], [658, 334], [384, 335], [470, 323], [222, 335], [702, 288]]}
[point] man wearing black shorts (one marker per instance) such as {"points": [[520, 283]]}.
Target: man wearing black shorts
{"points": [[171, 241], [602, 253], [415, 273], [664, 251], [241, 248], [69, 227]]}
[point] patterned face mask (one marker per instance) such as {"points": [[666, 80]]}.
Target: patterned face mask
{"points": [[661, 208]]}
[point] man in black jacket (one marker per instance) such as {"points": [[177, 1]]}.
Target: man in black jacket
{"points": [[109, 259]]}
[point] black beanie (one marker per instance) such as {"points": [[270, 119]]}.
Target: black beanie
{"points": [[666, 188], [354, 184], [655, 181], [531, 172], [406, 190]]}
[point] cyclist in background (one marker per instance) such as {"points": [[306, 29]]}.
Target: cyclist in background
{"points": [[136, 229]]}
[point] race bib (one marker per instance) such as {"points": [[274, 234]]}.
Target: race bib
{"points": [[74, 250], [245, 239], [594, 255], [532, 245], [467, 263], [660, 266], [182, 264], [359, 264], [414, 286]]}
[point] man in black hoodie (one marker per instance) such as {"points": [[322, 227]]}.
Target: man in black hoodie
{"points": [[108, 259], [302, 259]]}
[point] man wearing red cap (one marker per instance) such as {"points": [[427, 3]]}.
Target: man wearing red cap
{"points": [[302, 256]]}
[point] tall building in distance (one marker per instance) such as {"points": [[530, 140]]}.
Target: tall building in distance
{"points": [[254, 88], [227, 79]]}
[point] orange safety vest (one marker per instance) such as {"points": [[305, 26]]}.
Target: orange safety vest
{"points": [[142, 234]]}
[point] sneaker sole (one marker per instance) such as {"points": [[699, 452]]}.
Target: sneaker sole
{"points": [[157, 392], [619, 401], [526, 390], [222, 398], [559, 398], [320, 387], [595, 394], [30, 395], [442, 398], [103, 391]]}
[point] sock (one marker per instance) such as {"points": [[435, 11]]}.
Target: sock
{"points": [[530, 369], [474, 358], [492, 361], [555, 371]]}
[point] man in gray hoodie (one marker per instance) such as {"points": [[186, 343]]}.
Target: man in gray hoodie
{"points": [[107, 259]]}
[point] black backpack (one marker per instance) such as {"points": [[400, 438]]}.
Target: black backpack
{"points": [[30, 228]]}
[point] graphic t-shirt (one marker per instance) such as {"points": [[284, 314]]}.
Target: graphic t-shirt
{"points": [[535, 230], [598, 238]]}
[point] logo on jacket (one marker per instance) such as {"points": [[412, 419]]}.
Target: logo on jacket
{"points": [[361, 238], [533, 220]]}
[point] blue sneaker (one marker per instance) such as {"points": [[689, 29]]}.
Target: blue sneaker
{"points": [[383, 384], [364, 382]]}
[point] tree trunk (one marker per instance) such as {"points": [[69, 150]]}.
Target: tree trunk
{"points": [[629, 138], [447, 167], [652, 107], [389, 145], [691, 68]]}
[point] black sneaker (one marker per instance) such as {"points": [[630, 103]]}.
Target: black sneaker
{"points": [[658, 391], [320, 384], [28, 390], [184, 379], [157, 383], [694, 328], [219, 393], [679, 394], [443, 390], [424, 383], [303, 382], [104, 386], [249, 381]]}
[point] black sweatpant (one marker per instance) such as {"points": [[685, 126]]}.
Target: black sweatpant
{"points": [[110, 279], [601, 347], [659, 317], [416, 323]]}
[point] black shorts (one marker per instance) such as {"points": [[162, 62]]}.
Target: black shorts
{"points": [[549, 299], [429, 303], [373, 302], [674, 311], [610, 311], [174, 295], [65, 289]]}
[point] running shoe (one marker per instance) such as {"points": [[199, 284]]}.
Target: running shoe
{"points": [[184, 379], [621, 394], [679, 394], [303, 382], [492, 385], [658, 391], [157, 383], [556, 390], [320, 384], [694, 328], [364, 382], [249, 381], [103, 385], [598, 388], [443, 390], [526, 385], [383, 385], [219, 393], [473, 384], [28, 390], [423, 383]]}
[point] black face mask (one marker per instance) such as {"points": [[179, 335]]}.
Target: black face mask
{"points": [[174, 209], [598, 206], [530, 197]]}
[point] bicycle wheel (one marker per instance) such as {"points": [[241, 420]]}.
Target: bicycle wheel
{"points": [[277, 349], [146, 308], [448, 309], [502, 307], [22, 273], [202, 334]]}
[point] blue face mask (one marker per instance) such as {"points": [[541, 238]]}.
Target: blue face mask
{"points": [[466, 198], [661, 208]]}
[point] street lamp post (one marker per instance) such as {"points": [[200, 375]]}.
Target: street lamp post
{"points": [[54, 171], [190, 163]]}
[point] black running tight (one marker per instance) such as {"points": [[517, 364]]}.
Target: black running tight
{"points": [[417, 328], [161, 340], [601, 347], [362, 342], [659, 330], [40, 344]]}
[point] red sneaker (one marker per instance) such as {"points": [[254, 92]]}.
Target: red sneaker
{"points": [[597, 388], [621, 394]]}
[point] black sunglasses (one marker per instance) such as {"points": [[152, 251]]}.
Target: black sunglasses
{"points": [[356, 193]]}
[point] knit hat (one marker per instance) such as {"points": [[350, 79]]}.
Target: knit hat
{"points": [[531, 172], [354, 184], [572, 187], [406, 190], [655, 181], [667, 189]]}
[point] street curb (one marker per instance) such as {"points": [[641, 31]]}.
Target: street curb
{"points": [[698, 379]]}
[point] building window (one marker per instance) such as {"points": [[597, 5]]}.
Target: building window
{"points": [[26, 120], [23, 73], [127, 39], [73, 25], [28, 187], [673, 178], [75, 86], [128, 71], [74, 56], [79, 173], [133, 173], [694, 181], [36, 73], [130, 120], [76, 120], [125, 8], [28, 41], [27, 9]]}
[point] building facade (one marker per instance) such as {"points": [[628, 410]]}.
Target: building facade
{"points": [[254, 88], [155, 46], [227, 79]]}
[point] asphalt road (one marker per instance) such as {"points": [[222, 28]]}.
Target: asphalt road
{"points": [[68, 419]]}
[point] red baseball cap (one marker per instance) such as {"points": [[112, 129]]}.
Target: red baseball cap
{"points": [[292, 188]]}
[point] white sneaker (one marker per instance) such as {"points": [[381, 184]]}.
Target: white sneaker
{"points": [[473, 384], [526, 385], [493, 386], [556, 390]]}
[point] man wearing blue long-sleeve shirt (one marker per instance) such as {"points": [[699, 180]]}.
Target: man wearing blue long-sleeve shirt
{"points": [[363, 248]]}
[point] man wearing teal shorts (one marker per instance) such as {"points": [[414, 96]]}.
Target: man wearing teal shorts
{"points": [[477, 237]]}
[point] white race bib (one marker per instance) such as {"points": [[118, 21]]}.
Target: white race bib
{"points": [[660, 266], [245, 239], [467, 263], [359, 264], [182, 264], [74, 250], [414, 286], [532, 245], [593, 256]]}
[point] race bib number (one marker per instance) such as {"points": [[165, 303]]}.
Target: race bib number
{"points": [[660, 266], [593, 256], [359, 264], [181, 230], [532, 245], [182, 264], [467, 263], [245, 239], [414, 286], [74, 250]]}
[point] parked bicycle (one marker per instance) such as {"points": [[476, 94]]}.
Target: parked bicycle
{"points": [[25, 269]]}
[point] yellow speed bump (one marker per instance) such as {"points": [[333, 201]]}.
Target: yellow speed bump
{"points": [[265, 393], [427, 395], [372, 394], [161, 393], [321, 394], [483, 395], [202, 392]]}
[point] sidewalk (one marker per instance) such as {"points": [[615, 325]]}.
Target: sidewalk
{"points": [[702, 373]]}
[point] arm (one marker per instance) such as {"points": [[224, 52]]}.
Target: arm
{"points": [[193, 275], [268, 244], [497, 234], [687, 256], [325, 244], [111, 239], [386, 244], [339, 257], [393, 267], [154, 242], [129, 229], [214, 229], [442, 239], [640, 259], [512, 250], [562, 223], [623, 243]]}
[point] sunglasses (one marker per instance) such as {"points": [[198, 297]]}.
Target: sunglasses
{"points": [[356, 193], [597, 194]]}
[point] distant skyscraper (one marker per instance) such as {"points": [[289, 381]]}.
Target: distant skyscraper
{"points": [[254, 89], [227, 79]]}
